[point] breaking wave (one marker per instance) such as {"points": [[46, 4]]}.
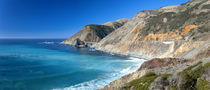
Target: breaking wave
{"points": [[107, 78], [92, 49], [48, 42]]}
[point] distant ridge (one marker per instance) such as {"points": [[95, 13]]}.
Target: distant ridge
{"points": [[93, 33]]}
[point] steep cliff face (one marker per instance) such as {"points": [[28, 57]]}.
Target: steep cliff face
{"points": [[91, 34], [163, 32]]}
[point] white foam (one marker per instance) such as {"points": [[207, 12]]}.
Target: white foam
{"points": [[107, 78], [168, 42], [90, 85], [48, 42], [91, 49], [112, 54], [125, 70], [133, 59]]}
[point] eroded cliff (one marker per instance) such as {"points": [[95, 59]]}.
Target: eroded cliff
{"points": [[176, 37], [169, 74], [165, 32], [93, 33]]}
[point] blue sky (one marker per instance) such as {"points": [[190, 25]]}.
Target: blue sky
{"points": [[63, 18]]}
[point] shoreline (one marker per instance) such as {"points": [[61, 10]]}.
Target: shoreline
{"points": [[127, 55], [130, 58], [112, 53]]}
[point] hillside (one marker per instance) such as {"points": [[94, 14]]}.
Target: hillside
{"points": [[93, 33], [116, 24], [168, 31], [175, 38]]}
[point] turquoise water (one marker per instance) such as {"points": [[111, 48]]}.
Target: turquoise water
{"points": [[46, 64]]}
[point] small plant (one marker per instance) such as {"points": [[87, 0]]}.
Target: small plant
{"points": [[202, 84], [206, 6], [143, 83], [207, 65], [165, 76], [190, 68], [190, 76]]}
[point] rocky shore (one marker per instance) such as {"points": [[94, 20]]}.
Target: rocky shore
{"points": [[175, 37]]}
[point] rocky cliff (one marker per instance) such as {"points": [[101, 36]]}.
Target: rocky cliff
{"points": [[93, 33], [176, 37], [169, 74], [164, 32]]}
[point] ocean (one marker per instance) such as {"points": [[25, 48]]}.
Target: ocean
{"points": [[45, 64]]}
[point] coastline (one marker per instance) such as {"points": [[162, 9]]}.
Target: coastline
{"points": [[120, 81], [190, 61], [124, 72], [172, 44], [132, 73]]}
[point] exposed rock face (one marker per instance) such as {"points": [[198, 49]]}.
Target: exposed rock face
{"points": [[173, 74], [116, 24], [162, 62], [91, 34], [177, 37], [78, 43], [164, 32]]}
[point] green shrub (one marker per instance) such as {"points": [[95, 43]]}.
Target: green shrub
{"points": [[189, 68], [142, 83], [190, 76], [202, 85], [172, 88], [206, 6], [207, 65], [165, 75]]}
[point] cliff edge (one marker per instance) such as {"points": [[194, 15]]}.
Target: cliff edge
{"points": [[93, 33]]}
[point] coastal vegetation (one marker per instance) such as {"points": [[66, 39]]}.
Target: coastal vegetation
{"points": [[142, 83], [188, 79]]}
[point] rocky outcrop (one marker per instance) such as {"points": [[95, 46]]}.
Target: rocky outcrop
{"points": [[162, 62], [93, 33], [89, 35]]}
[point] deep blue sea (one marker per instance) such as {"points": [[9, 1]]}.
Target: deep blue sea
{"points": [[45, 64]]}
